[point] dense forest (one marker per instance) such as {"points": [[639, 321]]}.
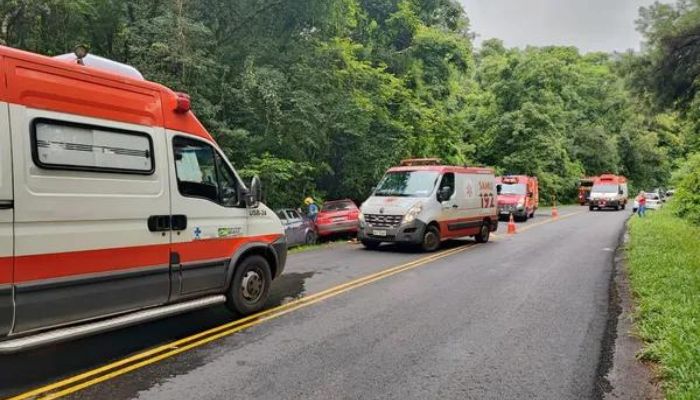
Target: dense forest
{"points": [[319, 97]]}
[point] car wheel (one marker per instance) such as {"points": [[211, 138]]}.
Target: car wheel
{"points": [[371, 244], [484, 234], [250, 286], [590, 208], [624, 206], [431, 239], [310, 238]]}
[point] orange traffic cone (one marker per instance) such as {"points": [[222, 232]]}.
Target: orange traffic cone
{"points": [[511, 225], [555, 212]]}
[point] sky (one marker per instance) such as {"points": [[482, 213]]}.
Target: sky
{"points": [[590, 25]]}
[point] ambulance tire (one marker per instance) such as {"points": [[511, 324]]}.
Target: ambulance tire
{"points": [[250, 285], [431, 239], [484, 234]]}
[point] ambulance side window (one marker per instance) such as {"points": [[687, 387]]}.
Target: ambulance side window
{"points": [[201, 172], [447, 186]]}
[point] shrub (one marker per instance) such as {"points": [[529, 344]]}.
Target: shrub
{"points": [[686, 203]]}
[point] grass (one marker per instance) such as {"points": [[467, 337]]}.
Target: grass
{"points": [[664, 265], [308, 247]]}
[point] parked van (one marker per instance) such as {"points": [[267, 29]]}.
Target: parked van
{"points": [[423, 202], [117, 206], [609, 191], [519, 195]]}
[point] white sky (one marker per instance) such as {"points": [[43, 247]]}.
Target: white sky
{"points": [[590, 25]]}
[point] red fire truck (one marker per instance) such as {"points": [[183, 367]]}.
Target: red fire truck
{"points": [[519, 195]]}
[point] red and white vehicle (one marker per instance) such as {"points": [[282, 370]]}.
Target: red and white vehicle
{"points": [[116, 205], [609, 191], [337, 217], [423, 202], [518, 195]]}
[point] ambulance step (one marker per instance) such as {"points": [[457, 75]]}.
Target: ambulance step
{"points": [[74, 332]]}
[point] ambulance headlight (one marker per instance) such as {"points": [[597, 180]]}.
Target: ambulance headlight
{"points": [[412, 213], [521, 203]]}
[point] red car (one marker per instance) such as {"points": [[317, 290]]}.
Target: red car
{"points": [[338, 216]]}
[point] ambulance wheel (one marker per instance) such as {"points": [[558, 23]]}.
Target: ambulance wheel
{"points": [[484, 234], [250, 285], [590, 208], [371, 244], [431, 239]]}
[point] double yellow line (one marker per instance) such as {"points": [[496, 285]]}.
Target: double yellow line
{"points": [[140, 360]]}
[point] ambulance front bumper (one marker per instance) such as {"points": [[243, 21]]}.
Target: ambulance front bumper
{"points": [[411, 232]]}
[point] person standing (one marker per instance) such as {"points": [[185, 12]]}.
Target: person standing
{"points": [[312, 208], [642, 203]]}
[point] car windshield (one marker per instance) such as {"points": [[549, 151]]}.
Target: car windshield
{"points": [[407, 183], [515, 188], [608, 188], [337, 206]]}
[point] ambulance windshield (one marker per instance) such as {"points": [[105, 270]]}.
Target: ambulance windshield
{"points": [[605, 188], [407, 184]]}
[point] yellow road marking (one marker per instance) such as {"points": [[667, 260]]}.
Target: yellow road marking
{"points": [[140, 360], [179, 346]]}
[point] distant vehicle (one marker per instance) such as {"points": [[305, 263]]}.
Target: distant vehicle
{"points": [[117, 206], [423, 202], [653, 201], [297, 228], [337, 217], [519, 195], [584, 189], [609, 191]]}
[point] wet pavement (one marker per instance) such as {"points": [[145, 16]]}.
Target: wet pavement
{"points": [[461, 328]]}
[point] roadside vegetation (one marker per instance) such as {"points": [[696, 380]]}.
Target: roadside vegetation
{"points": [[664, 266], [319, 97]]}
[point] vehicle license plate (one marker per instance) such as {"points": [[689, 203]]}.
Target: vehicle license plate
{"points": [[377, 232]]}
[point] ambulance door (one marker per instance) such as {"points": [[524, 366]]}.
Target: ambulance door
{"points": [[209, 220], [87, 191], [6, 220]]}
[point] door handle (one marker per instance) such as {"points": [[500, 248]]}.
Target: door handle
{"points": [[6, 204], [455, 206], [178, 222], [159, 223]]}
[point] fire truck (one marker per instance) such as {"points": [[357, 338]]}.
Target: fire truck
{"points": [[584, 189], [519, 195], [116, 205]]}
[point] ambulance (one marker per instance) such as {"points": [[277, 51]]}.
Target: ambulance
{"points": [[423, 202], [518, 195], [116, 205], [609, 191]]}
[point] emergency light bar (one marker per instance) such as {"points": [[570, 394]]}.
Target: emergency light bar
{"points": [[414, 162]]}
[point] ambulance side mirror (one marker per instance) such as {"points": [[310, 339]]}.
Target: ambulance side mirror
{"points": [[252, 198], [530, 194], [498, 189]]}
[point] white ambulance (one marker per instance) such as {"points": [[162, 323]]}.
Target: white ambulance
{"points": [[116, 205], [422, 202]]}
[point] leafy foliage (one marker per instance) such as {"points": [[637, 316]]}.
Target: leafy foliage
{"points": [[321, 96]]}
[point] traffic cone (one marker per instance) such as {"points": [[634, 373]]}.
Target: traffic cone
{"points": [[511, 225], [555, 212]]}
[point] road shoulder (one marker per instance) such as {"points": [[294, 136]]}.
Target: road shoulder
{"points": [[627, 377]]}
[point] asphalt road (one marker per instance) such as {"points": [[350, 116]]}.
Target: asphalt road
{"points": [[520, 317]]}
